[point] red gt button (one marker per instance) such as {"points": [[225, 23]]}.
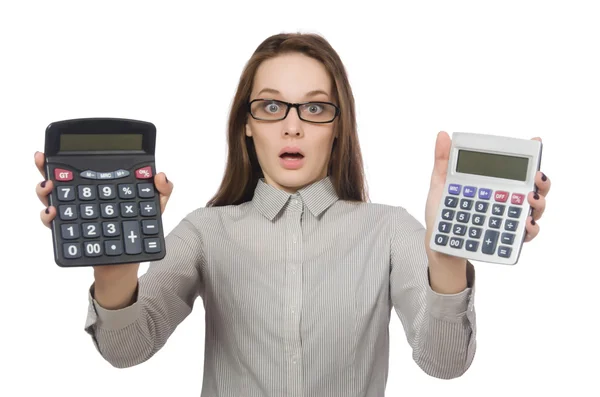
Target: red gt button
{"points": [[63, 175], [143, 173]]}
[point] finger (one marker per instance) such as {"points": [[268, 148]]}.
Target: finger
{"points": [[538, 203], [532, 228], [39, 163], [165, 188], [47, 215], [543, 183], [42, 190], [443, 143]]}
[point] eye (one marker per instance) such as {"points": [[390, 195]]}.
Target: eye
{"points": [[272, 107], [314, 108]]}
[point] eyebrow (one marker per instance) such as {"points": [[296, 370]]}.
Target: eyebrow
{"points": [[308, 94]]}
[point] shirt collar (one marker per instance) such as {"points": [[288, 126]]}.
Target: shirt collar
{"points": [[317, 197]]}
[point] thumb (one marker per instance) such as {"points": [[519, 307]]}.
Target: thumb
{"points": [[443, 144]]}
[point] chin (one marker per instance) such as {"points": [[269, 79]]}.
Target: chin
{"points": [[293, 179]]}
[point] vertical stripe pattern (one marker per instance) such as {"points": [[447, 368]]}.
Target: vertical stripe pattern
{"points": [[297, 290]]}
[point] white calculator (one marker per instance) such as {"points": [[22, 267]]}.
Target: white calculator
{"points": [[484, 208]]}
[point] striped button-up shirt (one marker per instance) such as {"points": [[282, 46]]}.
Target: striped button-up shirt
{"points": [[298, 290]]}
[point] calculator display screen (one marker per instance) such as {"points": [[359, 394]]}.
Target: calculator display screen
{"points": [[493, 165], [100, 142]]}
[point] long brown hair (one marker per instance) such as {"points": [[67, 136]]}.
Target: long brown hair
{"points": [[243, 170]]}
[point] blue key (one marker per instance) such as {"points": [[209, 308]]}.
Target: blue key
{"points": [[485, 193], [469, 191], [453, 188]]}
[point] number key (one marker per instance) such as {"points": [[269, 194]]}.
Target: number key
{"points": [[448, 214], [67, 212], [475, 232], [478, 220], [456, 242], [481, 206], [445, 227], [107, 192], [460, 230], [91, 230], [109, 210], [89, 211], [111, 229], [69, 231], [451, 202], [65, 193], [463, 216], [92, 248], [466, 204], [86, 192]]}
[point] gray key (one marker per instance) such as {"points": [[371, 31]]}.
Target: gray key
{"points": [[113, 247], [504, 251], [88, 211], [128, 210], [507, 238], [69, 231], [67, 212], [474, 232], [152, 245], [91, 230], [72, 250], [514, 212], [472, 245], [498, 209], [110, 229], [92, 248], [489, 242], [463, 216], [448, 215], [131, 234], [495, 222], [147, 208], [511, 225], [109, 210], [106, 192], [478, 219], [460, 230], [150, 226], [441, 239], [126, 191], [451, 201], [86, 192], [65, 193], [456, 242], [466, 204], [145, 190]]}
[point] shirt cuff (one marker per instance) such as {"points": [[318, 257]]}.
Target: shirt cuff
{"points": [[452, 306], [114, 319]]}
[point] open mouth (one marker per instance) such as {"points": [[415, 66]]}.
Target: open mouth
{"points": [[291, 156]]}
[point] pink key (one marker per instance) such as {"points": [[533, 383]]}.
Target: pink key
{"points": [[517, 198], [143, 173], [63, 175], [501, 196]]}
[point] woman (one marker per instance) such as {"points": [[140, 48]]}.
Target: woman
{"points": [[297, 271]]}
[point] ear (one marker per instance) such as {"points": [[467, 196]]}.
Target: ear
{"points": [[248, 130]]}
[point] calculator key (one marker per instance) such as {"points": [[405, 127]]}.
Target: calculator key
{"points": [[511, 225], [147, 208], [460, 230], [456, 242], [504, 251], [478, 219], [443, 227], [485, 194], [143, 173], [105, 175], [89, 211], [463, 216], [514, 212], [121, 173], [472, 245], [475, 232], [128, 210], [489, 242], [113, 247], [69, 231], [151, 245], [145, 190], [72, 250], [507, 238], [133, 241], [62, 175], [481, 206], [498, 209], [91, 230], [92, 248], [109, 210], [126, 191], [448, 214], [451, 202], [89, 174], [501, 196], [517, 198], [107, 192], [495, 222], [111, 229], [441, 239], [150, 226], [453, 188], [466, 204], [65, 193], [67, 212], [87, 192], [469, 191]]}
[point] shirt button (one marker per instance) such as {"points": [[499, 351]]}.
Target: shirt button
{"points": [[294, 239], [294, 201]]}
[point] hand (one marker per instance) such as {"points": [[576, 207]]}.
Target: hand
{"points": [[438, 180], [44, 188]]}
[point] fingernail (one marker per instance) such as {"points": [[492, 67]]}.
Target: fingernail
{"points": [[536, 196], [43, 184], [544, 177], [532, 221], [47, 210]]}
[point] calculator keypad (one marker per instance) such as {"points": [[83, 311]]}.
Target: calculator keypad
{"points": [[479, 220], [106, 214]]}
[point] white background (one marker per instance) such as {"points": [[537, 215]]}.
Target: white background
{"points": [[520, 69]]}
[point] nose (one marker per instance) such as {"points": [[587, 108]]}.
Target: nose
{"points": [[292, 125]]}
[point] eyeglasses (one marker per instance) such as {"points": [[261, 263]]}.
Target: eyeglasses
{"points": [[273, 110]]}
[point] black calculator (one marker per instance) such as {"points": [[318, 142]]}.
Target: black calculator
{"points": [[108, 209]]}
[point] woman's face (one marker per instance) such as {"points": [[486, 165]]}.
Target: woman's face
{"points": [[292, 78]]}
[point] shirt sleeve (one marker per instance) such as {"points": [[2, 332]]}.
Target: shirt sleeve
{"points": [[440, 328], [164, 298]]}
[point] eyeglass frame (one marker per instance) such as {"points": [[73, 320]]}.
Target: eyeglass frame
{"points": [[294, 105]]}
